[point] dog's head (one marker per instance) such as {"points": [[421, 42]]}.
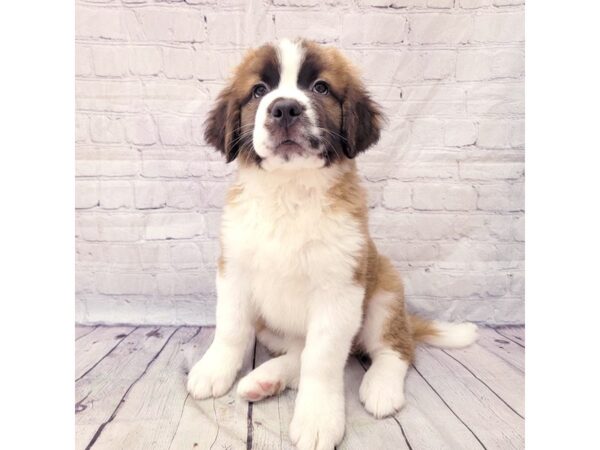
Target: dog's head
{"points": [[293, 105]]}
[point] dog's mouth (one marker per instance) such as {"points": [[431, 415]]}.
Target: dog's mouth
{"points": [[289, 147]]}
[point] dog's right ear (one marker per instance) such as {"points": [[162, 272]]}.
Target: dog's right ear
{"points": [[223, 125]]}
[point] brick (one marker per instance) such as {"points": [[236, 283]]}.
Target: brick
{"points": [[508, 2], [125, 283], [517, 133], [501, 197], [440, 29], [460, 133], [506, 27], [518, 229], [170, 284], [233, 28], [393, 3], [473, 4], [86, 194], [110, 61], [103, 23], [174, 226], [150, 194], [322, 27], [474, 65], [145, 60], [114, 227], [82, 128], [121, 255], [296, 2], [186, 256], [83, 61], [373, 29], [106, 162], [140, 129], [184, 194], [440, 4], [173, 25], [116, 194], [179, 63], [441, 284], [397, 196], [442, 196], [174, 130], [84, 282], [106, 130], [439, 65], [494, 134], [155, 256], [491, 171], [426, 132]]}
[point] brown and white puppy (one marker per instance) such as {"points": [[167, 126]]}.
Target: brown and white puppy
{"points": [[298, 268]]}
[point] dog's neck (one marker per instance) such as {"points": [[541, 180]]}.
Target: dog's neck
{"points": [[299, 180]]}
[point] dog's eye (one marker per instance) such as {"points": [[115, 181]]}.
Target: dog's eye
{"points": [[321, 87], [259, 90]]}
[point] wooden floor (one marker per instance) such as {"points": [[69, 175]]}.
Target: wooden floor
{"points": [[130, 393]]}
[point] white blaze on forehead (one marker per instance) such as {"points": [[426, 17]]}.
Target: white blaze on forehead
{"points": [[290, 55]]}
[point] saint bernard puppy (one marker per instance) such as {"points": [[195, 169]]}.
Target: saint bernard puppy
{"points": [[298, 268]]}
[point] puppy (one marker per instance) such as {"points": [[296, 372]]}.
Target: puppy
{"points": [[298, 268]]}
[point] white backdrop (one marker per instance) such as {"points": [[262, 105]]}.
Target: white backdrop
{"points": [[445, 182]]}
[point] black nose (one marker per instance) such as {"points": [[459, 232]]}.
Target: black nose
{"points": [[285, 111]]}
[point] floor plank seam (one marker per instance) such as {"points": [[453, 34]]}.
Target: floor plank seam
{"points": [[108, 353], [89, 332], [179, 421], [509, 338], [250, 427], [218, 426], [448, 406], [120, 403], [484, 383]]}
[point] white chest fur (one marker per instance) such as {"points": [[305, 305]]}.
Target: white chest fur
{"points": [[283, 237]]}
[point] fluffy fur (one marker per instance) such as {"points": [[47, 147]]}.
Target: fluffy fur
{"points": [[298, 268]]}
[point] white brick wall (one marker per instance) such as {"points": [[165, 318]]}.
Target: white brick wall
{"points": [[445, 182]]}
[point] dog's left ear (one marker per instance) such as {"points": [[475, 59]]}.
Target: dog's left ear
{"points": [[222, 127], [361, 122]]}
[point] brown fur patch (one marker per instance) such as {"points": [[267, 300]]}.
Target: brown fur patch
{"points": [[422, 328]]}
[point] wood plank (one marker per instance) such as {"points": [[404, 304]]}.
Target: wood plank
{"points": [[499, 376], [150, 416], [220, 423], [490, 419], [82, 330], [91, 348], [504, 348], [100, 392], [363, 431], [428, 422], [515, 334], [271, 417]]}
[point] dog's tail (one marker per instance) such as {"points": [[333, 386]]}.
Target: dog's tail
{"points": [[443, 334]]}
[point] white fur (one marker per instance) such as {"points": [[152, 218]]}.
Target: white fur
{"points": [[382, 387], [290, 55], [293, 260], [453, 335]]}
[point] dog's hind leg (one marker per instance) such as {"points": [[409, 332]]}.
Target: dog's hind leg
{"points": [[386, 337]]}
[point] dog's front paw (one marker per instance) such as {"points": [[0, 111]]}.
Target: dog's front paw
{"points": [[318, 422], [213, 375]]}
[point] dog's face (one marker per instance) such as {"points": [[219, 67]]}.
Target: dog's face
{"points": [[293, 105]]}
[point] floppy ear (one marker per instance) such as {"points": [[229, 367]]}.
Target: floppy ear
{"points": [[361, 121], [222, 127]]}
